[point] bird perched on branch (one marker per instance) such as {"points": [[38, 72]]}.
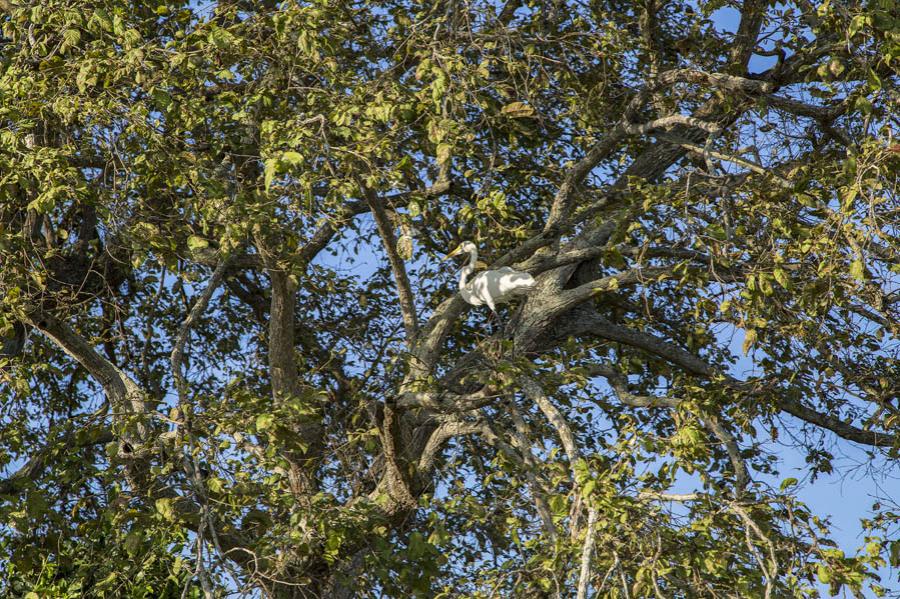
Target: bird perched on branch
{"points": [[489, 287]]}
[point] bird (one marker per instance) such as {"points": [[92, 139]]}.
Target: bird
{"points": [[489, 287]]}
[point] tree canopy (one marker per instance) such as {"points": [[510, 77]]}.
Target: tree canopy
{"points": [[232, 361]]}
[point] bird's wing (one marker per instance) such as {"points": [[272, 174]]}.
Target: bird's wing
{"points": [[469, 297], [473, 292], [515, 282]]}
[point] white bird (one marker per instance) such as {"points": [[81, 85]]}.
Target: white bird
{"points": [[490, 287]]}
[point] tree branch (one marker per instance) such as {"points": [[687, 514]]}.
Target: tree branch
{"points": [[398, 267], [671, 121], [177, 356], [599, 326], [563, 199], [34, 467], [123, 394], [587, 551], [836, 425]]}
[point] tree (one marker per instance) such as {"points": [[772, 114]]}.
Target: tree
{"points": [[232, 360]]}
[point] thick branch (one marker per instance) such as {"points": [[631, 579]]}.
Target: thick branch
{"points": [[587, 551], [836, 425], [123, 394], [599, 326], [562, 201], [605, 329], [671, 121], [741, 475], [534, 392], [282, 363], [284, 377]]}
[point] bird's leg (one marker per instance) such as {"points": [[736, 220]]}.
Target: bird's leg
{"points": [[513, 320], [494, 319]]}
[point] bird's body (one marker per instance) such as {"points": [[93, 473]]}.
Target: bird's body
{"points": [[490, 287]]}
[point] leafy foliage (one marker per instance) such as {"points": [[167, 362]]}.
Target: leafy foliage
{"points": [[212, 381]]}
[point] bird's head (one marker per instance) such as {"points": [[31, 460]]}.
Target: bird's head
{"points": [[466, 247]]}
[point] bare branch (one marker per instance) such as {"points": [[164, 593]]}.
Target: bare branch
{"points": [[619, 384], [756, 168], [770, 569], [534, 392], [752, 13], [680, 497], [562, 201], [177, 356], [836, 425], [587, 551], [444, 432], [741, 475], [599, 326], [671, 121], [508, 11], [123, 394], [398, 267], [520, 442], [633, 276], [819, 113]]}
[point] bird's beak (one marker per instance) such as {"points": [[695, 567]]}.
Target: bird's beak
{"points": [[451, 254]]}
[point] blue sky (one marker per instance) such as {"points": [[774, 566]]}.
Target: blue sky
{"points": [[846, 495]]}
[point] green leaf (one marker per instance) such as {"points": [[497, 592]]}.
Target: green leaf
{"points": [[195, 243], [132, 38], [264, 421], [517, 110], [858, 270], [108, 581], [333, 542], [417, 545], [788, 482], [863, 105], [133, 542], [874, 81], [71, 37], [292, 158], [221, 38], [215, 484], [588, 488], [782, 278], [270, 171], [895, 554], [101, 17], [856, 23], [165, 508], [750, 337]]}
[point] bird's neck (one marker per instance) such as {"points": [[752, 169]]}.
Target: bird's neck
{"points": [[464, 275], [468, 269]]}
